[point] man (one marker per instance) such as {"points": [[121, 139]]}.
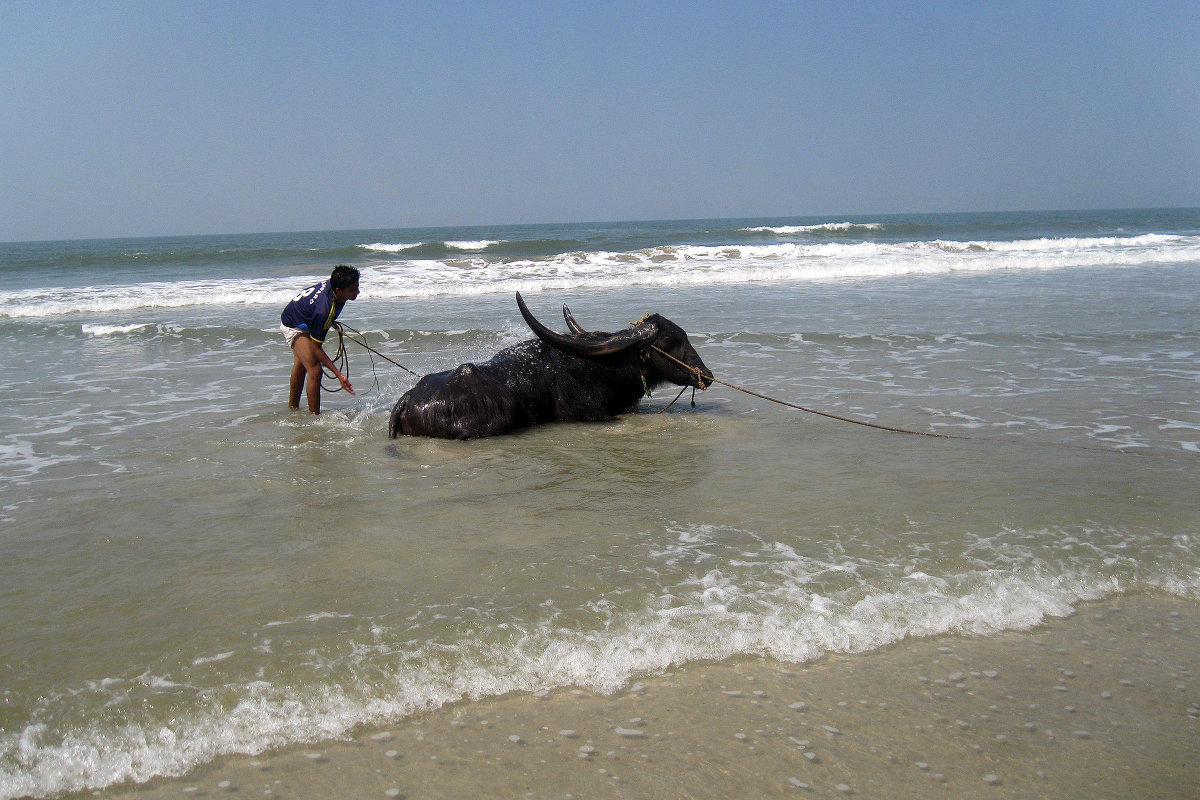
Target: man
{"points": [[305, 322]]}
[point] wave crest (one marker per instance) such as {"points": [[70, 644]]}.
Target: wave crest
{"points": [[474, 270], [792, 230]]}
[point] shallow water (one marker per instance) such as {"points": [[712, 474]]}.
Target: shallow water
{"points": [[190, 570]]}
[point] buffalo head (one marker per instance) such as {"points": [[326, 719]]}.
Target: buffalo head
{"points": [[661, 345]]}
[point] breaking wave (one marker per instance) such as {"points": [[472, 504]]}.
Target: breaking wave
{"points": [[792, 230], [772, 605], [472, 271]]}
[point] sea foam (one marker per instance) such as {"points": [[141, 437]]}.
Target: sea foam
{"points": [[667, 265], [764, 605], [791, 230], [270, 715], [108, 330]]}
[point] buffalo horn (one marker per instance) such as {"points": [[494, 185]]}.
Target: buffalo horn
{"points": [[571, 322], [615, 343]]}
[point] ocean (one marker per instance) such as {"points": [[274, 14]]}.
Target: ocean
{"points": [[191, 573]]}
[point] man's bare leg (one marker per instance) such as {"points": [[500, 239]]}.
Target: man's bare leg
{"points": [[306, 374], [296, 385]]}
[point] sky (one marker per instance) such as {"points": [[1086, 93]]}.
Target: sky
{"points": [[172, 118]]}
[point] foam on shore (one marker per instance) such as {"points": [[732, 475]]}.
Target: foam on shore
{"points": [[1102, 704]]}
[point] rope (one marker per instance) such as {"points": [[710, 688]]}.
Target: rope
{"points": [[370, 349], [681, 391], [701, 378], [341, 359]]}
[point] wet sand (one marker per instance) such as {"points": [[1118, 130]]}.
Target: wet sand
{"points": [[1103, 704]]}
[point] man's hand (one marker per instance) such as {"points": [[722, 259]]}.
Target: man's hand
{"points": [[342, 379]]}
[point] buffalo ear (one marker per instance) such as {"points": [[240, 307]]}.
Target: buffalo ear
{"points": [[588, 348]]}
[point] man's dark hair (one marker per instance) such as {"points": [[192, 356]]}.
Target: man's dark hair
{"points": [[343, 277]]}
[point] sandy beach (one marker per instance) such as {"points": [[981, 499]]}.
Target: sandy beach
{"points": [[1103, 704]]}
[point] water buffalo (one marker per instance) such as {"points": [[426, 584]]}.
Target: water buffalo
{"points": [[581, 376]]}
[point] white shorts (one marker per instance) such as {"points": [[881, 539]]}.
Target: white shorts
{"points": [[289, 334]]}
